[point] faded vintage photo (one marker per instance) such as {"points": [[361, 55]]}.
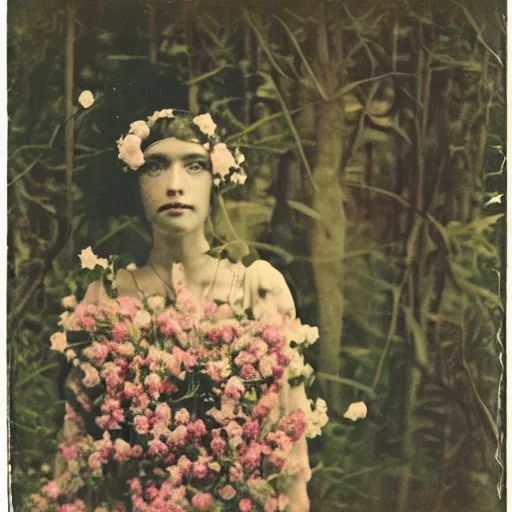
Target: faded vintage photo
{"points": [[256, 255]]}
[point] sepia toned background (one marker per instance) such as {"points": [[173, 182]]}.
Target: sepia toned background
{"points": [[374, 138]]}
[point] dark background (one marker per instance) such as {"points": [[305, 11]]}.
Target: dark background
{"points": [[374, 136]]}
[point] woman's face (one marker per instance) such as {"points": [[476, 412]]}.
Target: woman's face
{"points": [[175, 185]]}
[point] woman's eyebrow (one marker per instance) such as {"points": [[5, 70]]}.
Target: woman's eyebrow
{"points": [[164, 158]]}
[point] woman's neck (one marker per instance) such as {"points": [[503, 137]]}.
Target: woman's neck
{"points": [[189, 249]]}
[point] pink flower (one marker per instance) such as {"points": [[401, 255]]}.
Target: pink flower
{"points": [[86, 322], [163, 413], [273, 335], [293, 424], [227, 492], [140, 128], [222, 159], [70, 413], [197, 429], [248, 372], [122, 450], [245, 505], [153, 383], [120, 332], [224, 311], [252, 457], [184, 464], [94, 460], [69, 452], [236, 472], [130, 152], [234, 388], [200, 471], [156, 447], [217, 445], [92, 376], [131, 390], [96, 351], [202, 501], [251, 429], [52, 490], [126, 349], [265, 405], [205, 123], [245, 358]]}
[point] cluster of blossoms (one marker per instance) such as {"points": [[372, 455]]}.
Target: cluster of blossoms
{"points": [[184, 402], [226, 164]]}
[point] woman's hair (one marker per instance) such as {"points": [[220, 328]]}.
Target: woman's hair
{"points": [[180, 126]]}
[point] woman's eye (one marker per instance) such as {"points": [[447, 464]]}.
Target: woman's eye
{"points": [[195, 167], [153, 168]]}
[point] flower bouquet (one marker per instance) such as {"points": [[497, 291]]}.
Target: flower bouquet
{"points": [[176, 407]]}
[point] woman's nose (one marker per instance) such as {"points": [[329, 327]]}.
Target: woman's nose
{"points": [[175, 179]]}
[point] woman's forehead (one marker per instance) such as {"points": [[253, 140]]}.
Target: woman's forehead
{"points": [[175, 148]]}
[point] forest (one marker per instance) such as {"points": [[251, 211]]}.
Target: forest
{"points": [[374, 136]]}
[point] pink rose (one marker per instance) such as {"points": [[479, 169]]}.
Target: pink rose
{"points": [[94, 460], [153, 383], [156, 447], [122, 450], [234, 388], [200, 471], [52, 490], [222, 159], [245, 505], [163, 413], [227, 492], [130, 152], [69, 452], [120, 332], [202, 501], [205, 123], [141, 425], [140, 128], [217, 445]]}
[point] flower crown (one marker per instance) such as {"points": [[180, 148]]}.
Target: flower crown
{"points": [[226, 166]]}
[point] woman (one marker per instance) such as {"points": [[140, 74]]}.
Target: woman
{"points": [[180, 164]]}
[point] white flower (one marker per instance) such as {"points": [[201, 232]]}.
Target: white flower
{"points": [[130, 152], [86, 99], [317, 419], [142, 319], [217, 181], [239, 177], [90, 260], [205, 124], [156, 302], [59, 341], [158, 114], [302, 334], [239, 156], [131, 267], [70, 354], [140, 128], [222, 159], [67, 320], [356, 411], [69, 302]]}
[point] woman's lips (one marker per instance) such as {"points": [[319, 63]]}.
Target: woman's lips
{"points": [[175, 209]]}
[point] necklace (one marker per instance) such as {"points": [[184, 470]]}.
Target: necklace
{"points": [[171, 288]]}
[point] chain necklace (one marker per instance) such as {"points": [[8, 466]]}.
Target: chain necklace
{"points": [[172, 289]]}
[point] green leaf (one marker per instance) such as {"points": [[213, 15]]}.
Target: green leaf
{"points": [[348, 382]]}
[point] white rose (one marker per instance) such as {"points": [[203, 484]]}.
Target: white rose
{"points": [[130, 152], [205, 124], [356, 411], [142, 319], [239, 177], [90, 260], [59, 341], [157, 114], [222, 159], [69, 302], [239, 156], [156, 302], [67, 320], [140, 128], [86, 99]]}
